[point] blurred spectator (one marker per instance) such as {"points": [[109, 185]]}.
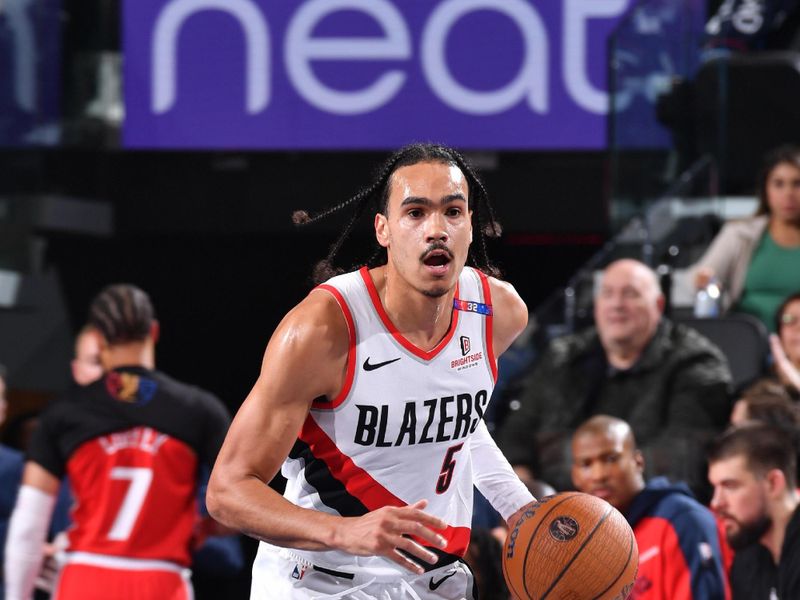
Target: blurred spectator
{"points": [[86, 367], [767, 402], [10, 476], [666, 380], [680, 556], [756, 261], [786, 344], [132, 444], [753, 471]]}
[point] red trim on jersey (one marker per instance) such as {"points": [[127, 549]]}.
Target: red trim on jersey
{"points": [[387, 322], [363, 487], [487, 299], [351, 350]]}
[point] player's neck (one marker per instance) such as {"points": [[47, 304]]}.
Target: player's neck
{"points": [[423, 320], [140, 354]]}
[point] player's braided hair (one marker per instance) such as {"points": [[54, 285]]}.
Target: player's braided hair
{"points": [[122, 313], [376, 198]]}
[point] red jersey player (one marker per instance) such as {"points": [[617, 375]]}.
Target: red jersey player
{"points": [[131, 444]]}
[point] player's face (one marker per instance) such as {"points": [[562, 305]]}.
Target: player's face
{"points": [[740, 500], [783, 193], [86, 367], [790, 331], [628, 306], [427, 228], [605, 466]]}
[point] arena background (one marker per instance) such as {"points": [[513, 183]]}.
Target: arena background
{"points": [[202, 221]]}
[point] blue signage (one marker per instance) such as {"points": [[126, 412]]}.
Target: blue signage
{"points": [[367, 74]]}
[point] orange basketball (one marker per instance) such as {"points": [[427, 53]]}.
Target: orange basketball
{"points": [[570, 546]]}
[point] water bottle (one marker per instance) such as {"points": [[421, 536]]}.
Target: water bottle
{"points": [[707, 301]]}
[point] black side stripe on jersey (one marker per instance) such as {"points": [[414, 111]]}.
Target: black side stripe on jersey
{"points": [[334, 495], [331, 491]]}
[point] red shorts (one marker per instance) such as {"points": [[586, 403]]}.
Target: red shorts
{"points": [[79, 581]]}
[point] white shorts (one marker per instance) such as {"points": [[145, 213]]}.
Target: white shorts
{"points": [[278, 574]]}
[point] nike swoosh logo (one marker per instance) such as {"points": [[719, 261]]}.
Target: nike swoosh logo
{"points": [[433, 585], [371, 367]]}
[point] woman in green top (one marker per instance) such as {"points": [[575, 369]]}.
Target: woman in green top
{"points": [[756, 261]]}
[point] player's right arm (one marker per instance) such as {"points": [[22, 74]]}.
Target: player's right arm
{"points": [[306, 358]]}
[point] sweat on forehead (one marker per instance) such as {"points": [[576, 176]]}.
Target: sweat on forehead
{"points": [[405, 180]]}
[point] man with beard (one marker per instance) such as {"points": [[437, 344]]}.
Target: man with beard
{"points": [[753, 471]]}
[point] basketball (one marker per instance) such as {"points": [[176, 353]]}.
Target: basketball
{"points": [[570, 546]]}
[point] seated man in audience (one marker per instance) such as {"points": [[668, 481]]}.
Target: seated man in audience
{"points": [[666, 380], [753, 470], [680, 555]]}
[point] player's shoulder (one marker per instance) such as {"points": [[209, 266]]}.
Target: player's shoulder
{"points": [[321, 313], [190, 394], [316, 329], [74, 400], [507, 302], [504, 292]]}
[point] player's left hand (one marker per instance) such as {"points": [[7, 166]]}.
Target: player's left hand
{"points": [[517, 516], [51, 566]]}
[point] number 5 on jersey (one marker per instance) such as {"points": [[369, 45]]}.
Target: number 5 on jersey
{"points": [[448, 466]]}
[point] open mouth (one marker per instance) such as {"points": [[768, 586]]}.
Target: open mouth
{"points": [[437, 258]]}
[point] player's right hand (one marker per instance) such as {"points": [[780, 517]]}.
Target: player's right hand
{"points": [[384, 532]]}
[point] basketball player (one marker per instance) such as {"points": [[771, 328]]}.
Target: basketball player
{"points": [[385, 372], [131, 444]]}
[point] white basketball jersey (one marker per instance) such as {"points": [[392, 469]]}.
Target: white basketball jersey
{"points": [[400, 429]]}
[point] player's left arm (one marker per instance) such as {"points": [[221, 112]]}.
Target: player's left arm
{"points": [[510, 315], [27, 530], [494, 476]]}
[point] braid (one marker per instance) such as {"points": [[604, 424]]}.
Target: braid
{"points": [[488, 226], [377, 196], [122, 313]]}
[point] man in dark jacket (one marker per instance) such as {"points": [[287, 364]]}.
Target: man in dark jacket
{"points": [[680, 555], [667, 381], [753, 471]]}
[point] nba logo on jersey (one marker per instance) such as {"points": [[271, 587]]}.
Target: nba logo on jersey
{"points": [[129, 387], [465, 345], [298, 572]]}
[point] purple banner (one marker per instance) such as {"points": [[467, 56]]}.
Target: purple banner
{"points": [[367, 74]]}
